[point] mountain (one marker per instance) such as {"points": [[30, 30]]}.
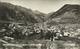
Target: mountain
{"points": [[67, 14], [48, 15], [40, 15], [10, 12]]}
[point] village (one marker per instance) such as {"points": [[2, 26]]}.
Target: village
{"points": [[13, 32]]}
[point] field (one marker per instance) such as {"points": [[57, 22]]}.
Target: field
{"points": [[64, 43]]}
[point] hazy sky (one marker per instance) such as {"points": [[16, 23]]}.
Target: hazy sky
{"points": [[44, 6]]}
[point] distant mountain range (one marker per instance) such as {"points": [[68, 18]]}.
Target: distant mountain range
{"points": [[67, 14]]}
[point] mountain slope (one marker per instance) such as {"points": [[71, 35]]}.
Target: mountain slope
{"points": [[67, 14], [10, 12]]}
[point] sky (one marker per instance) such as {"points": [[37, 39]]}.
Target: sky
{"points": [[45, 6]]}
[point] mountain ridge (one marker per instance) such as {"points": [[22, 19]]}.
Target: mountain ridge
{"points": [[10, 12], [68, 13]]}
